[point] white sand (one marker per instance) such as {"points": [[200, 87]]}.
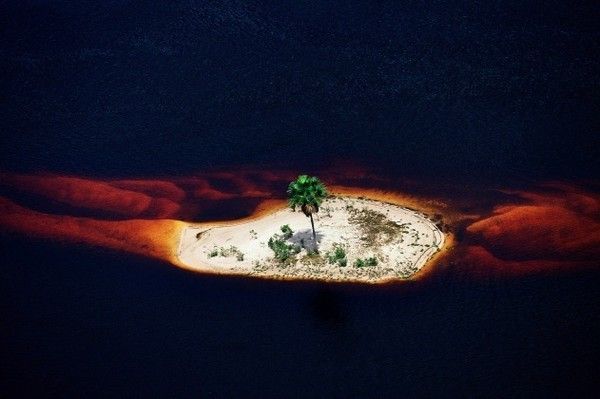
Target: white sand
{"points": [[399, 258]]}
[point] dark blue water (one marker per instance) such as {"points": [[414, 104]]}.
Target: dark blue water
{"points": [[490, 89], [485, 91], [82, 322]]}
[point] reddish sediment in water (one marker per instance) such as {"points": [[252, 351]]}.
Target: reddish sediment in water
{"points": [[549, 227]]}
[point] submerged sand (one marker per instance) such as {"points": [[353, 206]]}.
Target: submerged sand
{"points": [[400, 239]]}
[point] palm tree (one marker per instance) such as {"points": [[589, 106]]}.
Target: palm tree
{"points": [[307, 192]]}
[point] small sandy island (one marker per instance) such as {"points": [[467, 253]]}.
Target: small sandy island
{"points": [[357, 240]]}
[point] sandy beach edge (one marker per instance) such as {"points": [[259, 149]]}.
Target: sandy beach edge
{"points": [[424, 208]]}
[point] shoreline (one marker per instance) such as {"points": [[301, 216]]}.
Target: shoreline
{"points": [[398, 261]]}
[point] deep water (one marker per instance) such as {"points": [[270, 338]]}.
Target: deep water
{"points": [[80, 322], [487, 89], [488, 92]]}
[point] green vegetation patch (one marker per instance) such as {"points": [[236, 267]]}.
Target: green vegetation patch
{"points": [[282, 250], [287, 232], [372, 261], [337, 255], [232, 251]]}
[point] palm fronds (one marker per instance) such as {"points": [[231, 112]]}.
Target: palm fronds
{"points": [[307, 192]]}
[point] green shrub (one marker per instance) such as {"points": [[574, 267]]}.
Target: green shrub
{"points": [[282, 249], [371, 261], [227, 252], [340, 253], [337, 256], [287, 232]]}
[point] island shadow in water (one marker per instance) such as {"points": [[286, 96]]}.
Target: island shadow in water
{"points": [[326, 308]]}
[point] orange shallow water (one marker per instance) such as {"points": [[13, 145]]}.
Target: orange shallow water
{"points": [[549, 227]]}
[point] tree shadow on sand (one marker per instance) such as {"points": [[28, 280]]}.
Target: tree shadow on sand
{"points": [[306, 236]]}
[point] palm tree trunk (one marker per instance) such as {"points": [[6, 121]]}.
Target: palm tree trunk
{"points": [[312, 223]]}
